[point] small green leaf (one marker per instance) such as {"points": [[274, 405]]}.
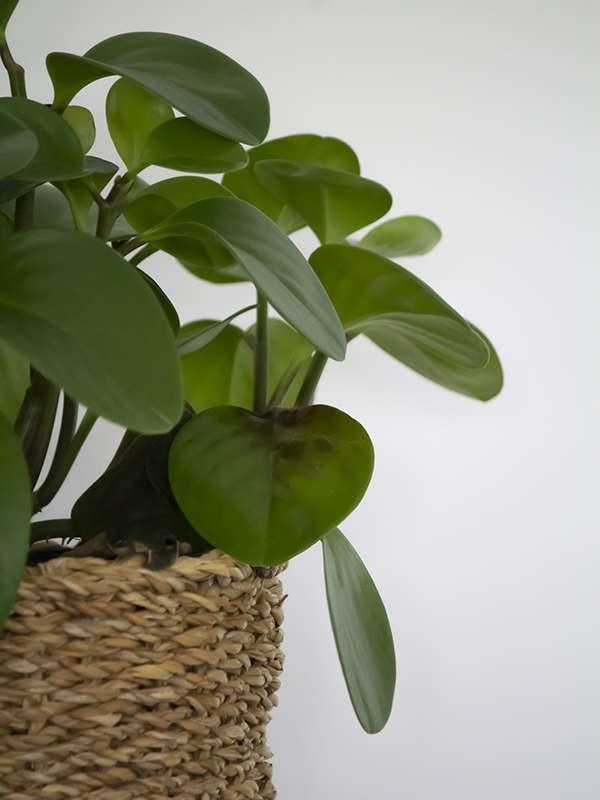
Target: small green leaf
{"points": [[272, 261], [207, 372], [331, 202], [368, 290], [19, 145], [82, 122], [321, 151], [198, 334], [402, 236], [183, 145], [15, 512], [362, 632], [14, 380], [199, 81], [264, 488], [88, 322], [6, 11], [58, 156], [132, 113]]}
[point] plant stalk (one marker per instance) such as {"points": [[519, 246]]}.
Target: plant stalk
{"points": [[309, 385], [16, 73], [261, 355]]}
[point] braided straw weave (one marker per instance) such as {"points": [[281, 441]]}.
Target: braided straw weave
{"points": [[119, 683]]}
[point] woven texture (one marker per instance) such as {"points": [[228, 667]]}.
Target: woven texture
{"points": [[119, 683]]}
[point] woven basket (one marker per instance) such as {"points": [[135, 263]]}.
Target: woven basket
{"points": [[119, 683]]}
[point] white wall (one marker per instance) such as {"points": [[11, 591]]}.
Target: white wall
{"points": [[480, 526]]}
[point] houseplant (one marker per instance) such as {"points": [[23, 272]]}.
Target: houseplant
{"points": [[257, 469]]}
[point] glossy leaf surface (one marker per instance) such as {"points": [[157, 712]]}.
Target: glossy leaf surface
{"points": [[82, 122], [197, 80], [272, 261], [362, 632], [88, 322], [15, 512], [332, 203], [265, 488], [207, 372], [402, 236], [14, 380], [18, 145], [369, 290], [321, 151]]}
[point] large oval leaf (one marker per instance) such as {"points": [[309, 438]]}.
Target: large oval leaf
{"points": [[322, 151], [331, 202], [14, 380], [402, 236], [273, 262], [207, 372], [362, 632], [88, 322], [15, 512], [368, 290], [196, 79], [264, 488]]}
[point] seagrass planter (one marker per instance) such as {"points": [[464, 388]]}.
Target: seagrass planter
{"points": [[117, 682]]}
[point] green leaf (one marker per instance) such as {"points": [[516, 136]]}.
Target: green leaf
{"points": [[264, 488], [273, 262], [168, 308], [82, 122], [207, 372], [132, 113], [202, 83], [402, 236], [331, 202], [370, 291], [288, 357], [18, 145], [362, 632], [14, 380], [482, 383], [198, 334], [15, 512], [58, 156], [6, 12], [78, 192], [6, 226], [87, 321], [183, 145], [321, 151]]}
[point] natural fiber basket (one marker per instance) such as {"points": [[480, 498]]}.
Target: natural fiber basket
{"points": [[118, 683]]}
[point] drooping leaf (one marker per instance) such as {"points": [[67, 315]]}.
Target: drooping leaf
{"points": [[264, 488], [199, 81], [362, 632], [332, 203], [321, 151], [402, 236], [15, 512], [207, 372], [368, 290], [482, 383], [14, 380], [82, 122], [58, 156], [87, 321], [198, 334], [132, 113], [18, 145], [6, 11], [272, 261]]}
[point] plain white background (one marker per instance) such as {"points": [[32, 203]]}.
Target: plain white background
{"points": [[481, 523]]}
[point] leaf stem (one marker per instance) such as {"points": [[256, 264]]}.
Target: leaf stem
{"points": [[309, 385], [56, 475], [16, 73], [261, 353]]}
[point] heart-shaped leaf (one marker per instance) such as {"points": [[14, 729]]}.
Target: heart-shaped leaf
{"points": [[202, 83], [402, 236], [58, 156], [321, 151], [197, 334], [264, 488], [368, 290], [482, 383], [362, 632], [15, 512], [82, 122], [272, 261], [14, 380], [207, 372], [19, 145], [88, 322], [331, 202]]}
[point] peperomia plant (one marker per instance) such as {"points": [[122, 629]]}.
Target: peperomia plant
{"points": [[223, 445]]}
